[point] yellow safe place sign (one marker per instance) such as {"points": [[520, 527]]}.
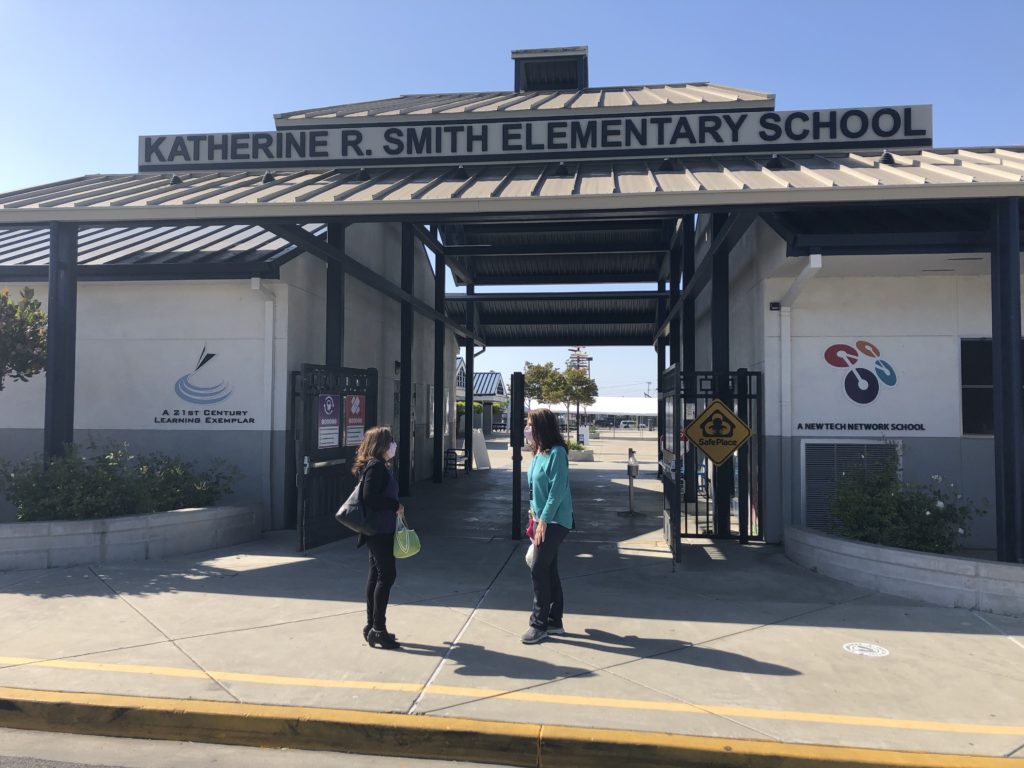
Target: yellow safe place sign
{"points": [[718, 432]]}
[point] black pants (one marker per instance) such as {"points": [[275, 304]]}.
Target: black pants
{"points": [[381, 578], [547, 586]]}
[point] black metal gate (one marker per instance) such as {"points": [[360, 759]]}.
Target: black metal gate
{"points": [[702, 500], [335, 407]]}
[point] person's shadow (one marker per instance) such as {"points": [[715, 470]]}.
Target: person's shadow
{"points": [[478, 661], [696, 655]]}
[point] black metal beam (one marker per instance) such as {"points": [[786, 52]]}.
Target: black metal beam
{"points": [[554, 249], [362, 273], [470, 359], [688, 382], [439, 368], [733, 229], [574, 339], [429, 239], [553, 226], [406, 447], [116, 272], [720, 369], [335, 333], [567, 279], [61, 322], [561, 317], [479, 298], [1007, 382]]}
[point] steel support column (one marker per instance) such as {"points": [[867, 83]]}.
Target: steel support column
{"points": [[672, 441], [471, 325], [439, 357], [720, 370], [660, 345], [405, 416], [1007, 382], [335, 334], [62, 308], [689, 343]]}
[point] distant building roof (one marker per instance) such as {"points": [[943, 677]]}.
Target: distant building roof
{"points": [[488, 386]]}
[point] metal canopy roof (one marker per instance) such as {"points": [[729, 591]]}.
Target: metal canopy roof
{"points": [[475, 192], [641, 98], [559, 319], [112, 252], [599, 251]]}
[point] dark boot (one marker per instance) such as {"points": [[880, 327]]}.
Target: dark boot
{"points": [[382, 639], [366, 632]]}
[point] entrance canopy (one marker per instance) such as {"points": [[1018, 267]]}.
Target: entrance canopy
{"points": [[556, 183], [585, 189]]}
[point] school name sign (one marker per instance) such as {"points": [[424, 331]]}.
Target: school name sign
{"points": [[550, 138]]}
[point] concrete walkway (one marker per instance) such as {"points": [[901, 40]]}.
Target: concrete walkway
{"points": [[736, 643]]}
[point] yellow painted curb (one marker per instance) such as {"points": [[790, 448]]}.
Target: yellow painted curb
{"points": [[424, 736], [570, 747]]}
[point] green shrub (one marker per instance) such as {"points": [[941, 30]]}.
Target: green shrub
{"points": [[111, 482], [874, 506], [572, 445]]}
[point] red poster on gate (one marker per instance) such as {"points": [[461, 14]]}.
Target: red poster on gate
{"points": [[355, 419]]}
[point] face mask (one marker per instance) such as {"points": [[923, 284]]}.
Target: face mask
{"points": [[389, 454], [528, 434]]}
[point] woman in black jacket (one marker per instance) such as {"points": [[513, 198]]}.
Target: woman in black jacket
{"points": [[380, 496]]}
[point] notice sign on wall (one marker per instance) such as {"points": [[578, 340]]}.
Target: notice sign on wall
{"points": [[355, 419], [327, 421]]}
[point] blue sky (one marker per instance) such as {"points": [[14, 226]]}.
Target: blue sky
{"points": [[82, 80]]}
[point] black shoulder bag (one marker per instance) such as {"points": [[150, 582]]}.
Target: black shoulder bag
{"points": [[354, 513]]}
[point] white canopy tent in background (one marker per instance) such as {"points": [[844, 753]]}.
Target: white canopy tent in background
{"points": [[611, 406]]}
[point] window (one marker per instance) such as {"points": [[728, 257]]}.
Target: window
{"points": [[976, 393]]}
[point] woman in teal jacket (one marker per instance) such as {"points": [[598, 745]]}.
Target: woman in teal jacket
{"points": [[551, 512]]}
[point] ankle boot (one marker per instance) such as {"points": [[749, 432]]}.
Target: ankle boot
{"points": [[382, 639], [366, 632]]}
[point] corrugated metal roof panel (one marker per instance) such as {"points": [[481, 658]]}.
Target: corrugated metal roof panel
{"points": [[681, 181], [203, 244], [634, 97]]}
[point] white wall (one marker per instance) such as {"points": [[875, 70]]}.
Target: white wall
{"points": [[135, 340]]}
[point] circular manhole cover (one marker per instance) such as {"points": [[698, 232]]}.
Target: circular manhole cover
{"points": [[866, 649]]}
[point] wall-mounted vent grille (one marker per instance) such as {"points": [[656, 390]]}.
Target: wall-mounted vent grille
{"points": [[825, 463]]}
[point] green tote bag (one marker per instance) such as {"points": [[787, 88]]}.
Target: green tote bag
{"points": [[407, 542]]}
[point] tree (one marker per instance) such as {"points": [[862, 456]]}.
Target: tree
{"points": [[22, 337], [579, 389], [535, 376]]}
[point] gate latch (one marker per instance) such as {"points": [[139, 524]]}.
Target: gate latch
{"points": [[305, 465]]}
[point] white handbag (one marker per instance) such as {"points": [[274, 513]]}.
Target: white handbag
{"points": [[531, 555]]}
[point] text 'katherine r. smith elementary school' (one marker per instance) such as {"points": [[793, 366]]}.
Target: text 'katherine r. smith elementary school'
{"points": [[847, 292]]}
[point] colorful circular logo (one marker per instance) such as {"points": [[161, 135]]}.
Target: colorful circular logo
{"points": [[866, 373]]}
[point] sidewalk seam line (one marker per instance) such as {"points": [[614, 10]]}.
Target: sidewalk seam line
{"points": [[455, 642], [1001, 631], [149, 621]]}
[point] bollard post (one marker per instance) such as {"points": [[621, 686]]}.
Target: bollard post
{"points": [[632, 471]]}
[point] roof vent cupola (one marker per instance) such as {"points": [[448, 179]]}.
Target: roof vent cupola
{"points": [[551, 69]]}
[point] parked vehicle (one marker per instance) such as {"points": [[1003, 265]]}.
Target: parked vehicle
{"points": [[627, 424]]}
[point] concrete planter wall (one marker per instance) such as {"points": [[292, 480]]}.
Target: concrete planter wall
{"points": [[25, 546], [584, 455], [954, 582]]}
